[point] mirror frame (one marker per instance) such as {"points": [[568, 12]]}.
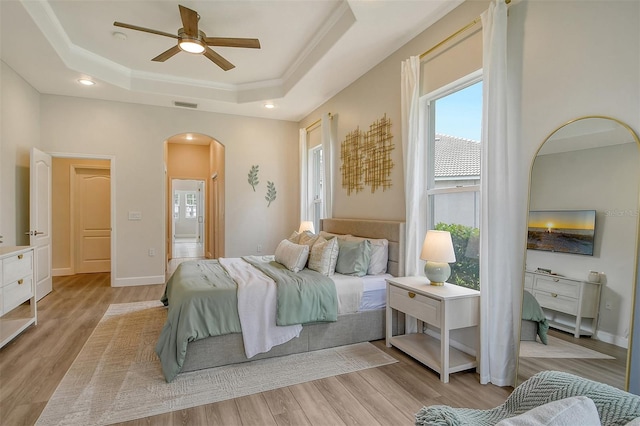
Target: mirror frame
{"points": [[637, 244]]}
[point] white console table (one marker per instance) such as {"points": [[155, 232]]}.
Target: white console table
{"points": [[17, 285], [446, 307], [577, 298]]}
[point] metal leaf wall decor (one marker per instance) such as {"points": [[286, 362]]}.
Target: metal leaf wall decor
{"points": [[253, 177], [366, 157], [271, 192]]}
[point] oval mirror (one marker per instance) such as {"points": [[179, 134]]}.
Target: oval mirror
{"points": [[582, 252]]}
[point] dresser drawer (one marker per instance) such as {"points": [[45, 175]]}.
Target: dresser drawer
{"points": [[16, 292], [16, 267], [415, 305], [557, 302], [558, 286]]}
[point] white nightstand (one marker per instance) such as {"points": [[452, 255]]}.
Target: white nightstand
{"points": [[446, 307]]}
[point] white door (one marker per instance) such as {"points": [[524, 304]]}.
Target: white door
{"points": [[40, 219], [92, 212]]}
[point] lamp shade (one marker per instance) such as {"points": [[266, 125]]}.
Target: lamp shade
{"points": [[307, 225], [438, 247], [437, 250]]}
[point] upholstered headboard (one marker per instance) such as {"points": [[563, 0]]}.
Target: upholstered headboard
{"points": [[393, 231]]}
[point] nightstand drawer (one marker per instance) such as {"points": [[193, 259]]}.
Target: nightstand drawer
{"points": [[557, 302], [415, 305], [558, 286]]}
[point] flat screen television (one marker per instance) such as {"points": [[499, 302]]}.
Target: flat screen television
{"points": [[562, 231]]}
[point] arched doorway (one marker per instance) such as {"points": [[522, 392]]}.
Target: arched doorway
{"points": [[198, 158]]}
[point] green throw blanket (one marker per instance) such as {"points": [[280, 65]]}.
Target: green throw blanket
{"points": [[203, 302], [532, 311], [615, 407], [303, 297]]}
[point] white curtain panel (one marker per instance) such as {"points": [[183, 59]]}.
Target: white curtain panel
{"points": [[502, 249], [413, 151], [304, 208], [329, 125]]}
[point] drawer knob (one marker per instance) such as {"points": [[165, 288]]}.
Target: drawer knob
{"points": [[554, 295], [20, 281], [20, 256], [412, 295]]}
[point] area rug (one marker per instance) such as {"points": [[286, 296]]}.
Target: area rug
{"points": [[557, 348], [117, 377]]}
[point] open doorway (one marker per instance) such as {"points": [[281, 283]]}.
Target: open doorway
{"points": [[187, 221], [197, 160]]}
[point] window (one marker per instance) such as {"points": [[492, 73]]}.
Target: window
{"points": [[453, 187], [176, 206], [190, 205], [315, 185]]}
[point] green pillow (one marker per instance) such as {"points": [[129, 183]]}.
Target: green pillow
{"points": [[353, 257]]}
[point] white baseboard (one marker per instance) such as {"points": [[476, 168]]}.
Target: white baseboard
{"points": [[61, 272], [135, 281], [613, 339]]}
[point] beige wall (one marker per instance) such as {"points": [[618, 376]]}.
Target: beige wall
{"points": [[61, 232], [19, 131], [378, 92]]}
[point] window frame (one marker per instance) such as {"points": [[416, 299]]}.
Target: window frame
{"points": [[429, 102]]}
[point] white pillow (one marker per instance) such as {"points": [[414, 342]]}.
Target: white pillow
{"points": [[329, 235], [576, 410], [307, 238], [324, 255], [379, 254], [292, 256]]}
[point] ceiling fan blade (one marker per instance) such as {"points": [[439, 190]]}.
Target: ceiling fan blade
{"points": [[217, 59], [146, 30], [189, 21], [251, 43], [167, 54]]}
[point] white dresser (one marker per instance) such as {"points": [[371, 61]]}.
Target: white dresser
{"points": [[17, 285], [576, 298]]}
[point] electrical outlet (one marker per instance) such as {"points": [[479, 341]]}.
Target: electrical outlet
{"points": [[152, 252], [608, 304], [259, 248]]}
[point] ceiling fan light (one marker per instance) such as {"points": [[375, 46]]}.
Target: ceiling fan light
{"points": [[191, 46]]}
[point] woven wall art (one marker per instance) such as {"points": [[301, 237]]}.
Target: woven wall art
{"points": [[366, 157]]}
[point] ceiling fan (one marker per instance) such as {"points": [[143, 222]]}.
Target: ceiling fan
{"points": [[192, 40]]}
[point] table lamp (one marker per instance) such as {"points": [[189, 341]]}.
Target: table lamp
{"points": [[437, 250], [306, 225]]}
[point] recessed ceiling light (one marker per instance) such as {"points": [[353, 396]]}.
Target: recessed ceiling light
{"points": [[189, 137], [86, 82], [119, 35], [269, 105]]}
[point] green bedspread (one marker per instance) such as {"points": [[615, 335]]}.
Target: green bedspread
{"points": [[303, 297], [203, 302], [532, 311]]}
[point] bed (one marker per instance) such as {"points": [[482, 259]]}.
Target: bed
{"points": [[364, 323], [534, 323]]}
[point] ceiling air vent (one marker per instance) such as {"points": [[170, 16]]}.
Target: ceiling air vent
{"points": [[185, 104]]}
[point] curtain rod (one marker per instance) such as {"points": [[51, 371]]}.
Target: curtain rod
{"points": [[315, 123], [455, 34]]}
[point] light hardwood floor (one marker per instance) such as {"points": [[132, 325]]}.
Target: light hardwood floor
{"points": [[609, 371], [33, 364]]}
